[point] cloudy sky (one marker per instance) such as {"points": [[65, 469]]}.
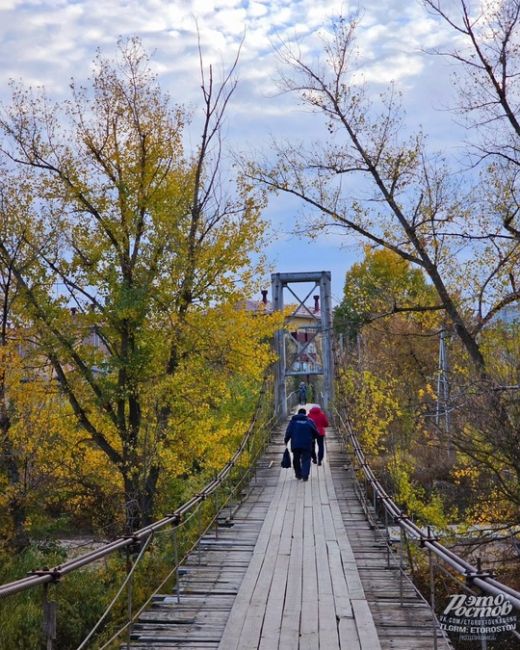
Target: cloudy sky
{"points": [[48, 41]]}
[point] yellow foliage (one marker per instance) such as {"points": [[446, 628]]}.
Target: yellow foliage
{"points": [[412, 497], [158, 367], [373, 406]]}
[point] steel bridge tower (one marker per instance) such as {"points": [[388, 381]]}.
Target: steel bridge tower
{"points": [[318, 337]]}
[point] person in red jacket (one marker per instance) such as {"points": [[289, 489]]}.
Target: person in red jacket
{"points": [[320, 420]]}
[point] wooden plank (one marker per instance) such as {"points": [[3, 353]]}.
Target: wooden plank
{"points": [[366, 628], [324, 495], [339, 582], [286, 538], [254, 621], [355, 587], [328, 525], [274, 607], [348, 559], [290, 627], [337, 518], [327, 625], [309, 637], [348, 635], [307, 491], [233, 630], [328, 629]]}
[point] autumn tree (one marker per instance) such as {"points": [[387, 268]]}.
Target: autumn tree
{"points": [[8, 361], [390, 368], [381, 285], [29, 399], [487, 58], [388, 312], [143, 244], [366, 180]]}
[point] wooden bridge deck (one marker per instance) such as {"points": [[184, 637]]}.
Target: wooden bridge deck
{"points": [[300, 569]]}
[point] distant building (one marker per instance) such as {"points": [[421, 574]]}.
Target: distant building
{"points": [[303, 345]]}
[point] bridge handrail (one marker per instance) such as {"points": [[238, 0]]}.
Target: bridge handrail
{"points": [[43, 576], [472, 574]]}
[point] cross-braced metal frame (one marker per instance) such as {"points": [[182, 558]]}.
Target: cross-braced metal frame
{"points": [[321, 329]]}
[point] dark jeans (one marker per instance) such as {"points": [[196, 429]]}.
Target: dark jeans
{"points": [[321, 448], [302, 462]]}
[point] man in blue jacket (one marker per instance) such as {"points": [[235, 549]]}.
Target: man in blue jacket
{"points": [[301, 432]]}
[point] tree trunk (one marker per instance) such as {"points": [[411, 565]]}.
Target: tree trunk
{"points": [[19, 540], [148, 497]]}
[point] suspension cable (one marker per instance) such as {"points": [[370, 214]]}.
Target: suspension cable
{"points": [[115, 598]]}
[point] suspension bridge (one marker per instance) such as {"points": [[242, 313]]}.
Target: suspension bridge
{"points": [[260, 560], [298, 566]]}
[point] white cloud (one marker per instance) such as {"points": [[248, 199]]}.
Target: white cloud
{"points": [[230, 21], [6, 5], [398, 67], [257, 9], [48, 41]]}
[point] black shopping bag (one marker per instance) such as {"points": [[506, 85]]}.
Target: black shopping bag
{"points": [[286, 459]]}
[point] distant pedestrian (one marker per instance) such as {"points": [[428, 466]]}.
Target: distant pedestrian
{"points": [[302, 393], [301, 432], [320, 420]]}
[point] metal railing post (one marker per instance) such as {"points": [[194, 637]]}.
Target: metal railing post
{"points": [[232, 499], [49, 619], [432, 592], [401, 565], [216, 511], [387, 539], [176, 560], [199, 550], [483, 640], [129, 595]]}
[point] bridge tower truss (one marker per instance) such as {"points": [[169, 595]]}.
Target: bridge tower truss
{"points": [[294, 355]]}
